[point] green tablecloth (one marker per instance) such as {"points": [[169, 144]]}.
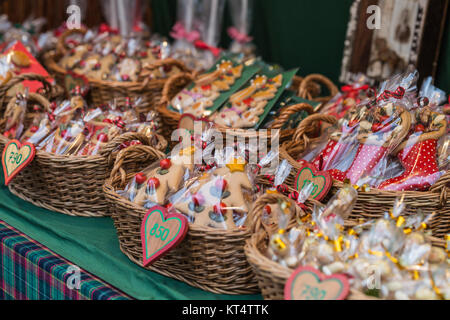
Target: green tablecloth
{"points": [[91, 243]]}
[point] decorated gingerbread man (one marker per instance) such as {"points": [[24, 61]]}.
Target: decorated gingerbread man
{"points": [[207, 89], [218, 198], [247, 105], [74, 56], [154, 185], [96, 66]]}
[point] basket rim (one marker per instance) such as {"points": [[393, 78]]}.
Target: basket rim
{"points": [[74, 158], [46, 205]]}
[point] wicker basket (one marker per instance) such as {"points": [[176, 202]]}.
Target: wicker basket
{"points": [[69, 184], [374, 203], [49, 91], [272, 276], [104, 91], [212, 260], [309, 88], [170, 118]]}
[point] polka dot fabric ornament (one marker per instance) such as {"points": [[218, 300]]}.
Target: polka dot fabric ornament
{"points": [[418, 154]]}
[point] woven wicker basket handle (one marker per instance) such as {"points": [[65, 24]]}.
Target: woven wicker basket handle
{"points": [[287, 112], [308, 122], [441, 186], [148, 69], [301, 140], [171, 87], [304, 90], [257, 210], [47, 87], [32, 97], [61, 48], [117, 141], [134, 154]]}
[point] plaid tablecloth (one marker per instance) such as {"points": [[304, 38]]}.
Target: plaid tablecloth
{"points": [[28, 270]]}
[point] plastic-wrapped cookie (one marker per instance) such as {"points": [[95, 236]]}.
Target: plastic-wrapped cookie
{"points": [[73, 57], [127, 70], [20, 59]]}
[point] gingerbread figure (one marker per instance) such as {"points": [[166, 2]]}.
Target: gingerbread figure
{"points": [[207, 89], [218, 197], [128, 69], [154, 185], [248, 104], [74, 56]]}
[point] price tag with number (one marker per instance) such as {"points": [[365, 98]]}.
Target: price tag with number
{"points": [[16, 157], [307, 283], [160, 232]]}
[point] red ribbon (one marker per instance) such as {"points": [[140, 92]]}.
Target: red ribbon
{"points": [[106, 28], [397, 94], [353, 91], [199, 44], [282, 188], [238, 36]]}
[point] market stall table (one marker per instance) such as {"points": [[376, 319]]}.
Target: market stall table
{"points": [[88, 243]]}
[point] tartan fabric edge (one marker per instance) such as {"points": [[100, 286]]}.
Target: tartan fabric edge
{"points": [[32, 271]]}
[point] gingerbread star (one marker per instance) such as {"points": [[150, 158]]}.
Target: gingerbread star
{"points": [[236, 165]]}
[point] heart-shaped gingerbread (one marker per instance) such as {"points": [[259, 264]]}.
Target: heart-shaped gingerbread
{"points": [[187, 121], [321, 181], [160, 232], [307, 283], [16, 157]]}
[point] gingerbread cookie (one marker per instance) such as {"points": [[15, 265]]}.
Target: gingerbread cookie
{"points": [[155, 184], [220, 198], [127, 70], [74, 56], [20, 59], [207, 89], [247, 105]]}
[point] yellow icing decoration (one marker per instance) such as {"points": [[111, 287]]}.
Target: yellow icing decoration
{"points": [[235, 166], [187, 151]]}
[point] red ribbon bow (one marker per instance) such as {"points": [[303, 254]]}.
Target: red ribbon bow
{"points": [[199, 44], [352, 90], [397, 94], [106, 28], [238, 36]]}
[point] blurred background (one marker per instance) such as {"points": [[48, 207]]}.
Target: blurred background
{"points": [[292, 33]]}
